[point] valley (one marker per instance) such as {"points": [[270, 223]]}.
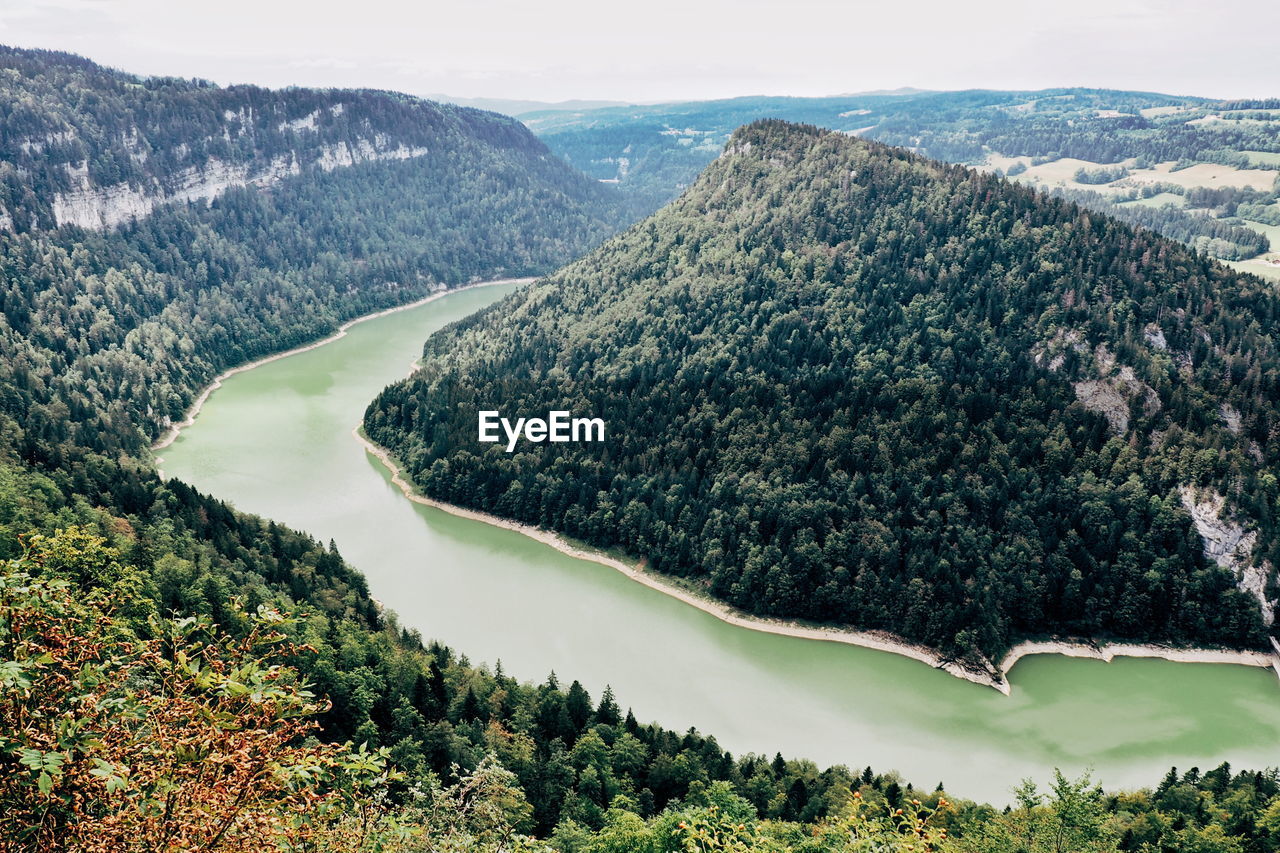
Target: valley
{"points": [[889, 471], [1199, 155]]}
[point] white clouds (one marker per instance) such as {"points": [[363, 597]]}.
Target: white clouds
{"points": [[666, 49]]}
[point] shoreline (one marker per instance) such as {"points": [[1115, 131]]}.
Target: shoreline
{"points": [[877, 640], [1108, 651], [171, 434]]}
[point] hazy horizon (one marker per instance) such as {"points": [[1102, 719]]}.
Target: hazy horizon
{"points": [[675, 50]]}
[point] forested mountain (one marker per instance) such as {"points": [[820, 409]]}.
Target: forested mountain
{"points": [[845, 383], [1042, 137], [107, 333]]}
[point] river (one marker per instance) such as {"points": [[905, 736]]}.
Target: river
{"points": [[277, 441]]}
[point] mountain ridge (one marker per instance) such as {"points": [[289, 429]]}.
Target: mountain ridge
{"points": [[95, 147], [368, 200]]}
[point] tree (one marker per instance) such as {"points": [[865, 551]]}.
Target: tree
{"points": [[185, 738], [1070, 820]]}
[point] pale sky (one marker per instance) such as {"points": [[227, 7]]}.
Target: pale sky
{"points": [[648, 50]]}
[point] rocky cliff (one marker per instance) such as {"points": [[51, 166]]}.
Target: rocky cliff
{"points": [[87, 146]]}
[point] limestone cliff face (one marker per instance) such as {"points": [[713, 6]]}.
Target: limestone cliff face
{"points": [[96, 148], [1229, 544], [99, 207], [1113, 387], [343, 154], [1110, 397]]}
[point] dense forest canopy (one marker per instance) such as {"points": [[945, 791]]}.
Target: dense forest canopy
{"points": [[654, 151], [848, 384]]}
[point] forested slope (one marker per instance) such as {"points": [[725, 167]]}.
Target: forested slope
{"points": [[121, 726], [848, 384], [85, 145]]}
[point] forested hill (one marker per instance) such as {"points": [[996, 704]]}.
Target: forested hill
{"points": [[845, 383], [85, 145]]}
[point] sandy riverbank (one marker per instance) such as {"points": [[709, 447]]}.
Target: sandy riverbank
{"points": [[171, 434], [1108, 651]]}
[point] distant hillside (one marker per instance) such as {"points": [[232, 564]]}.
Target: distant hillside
{"points": [[516, 107], [1200, 171], [845, 383]]}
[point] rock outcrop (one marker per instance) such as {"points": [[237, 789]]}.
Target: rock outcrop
{"points": [[1229, 544], [1111, 395], [90, 206], [1115, 387], [1052, 354]]}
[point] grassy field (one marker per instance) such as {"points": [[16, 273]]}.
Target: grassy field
{"points": [[1260, 265], [1061, 173], [1156, 112], [1001, 162], [1207, 175], [1263, 270], [1272, 232]]}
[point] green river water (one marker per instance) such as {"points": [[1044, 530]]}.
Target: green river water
{"points": [[277, 441]]}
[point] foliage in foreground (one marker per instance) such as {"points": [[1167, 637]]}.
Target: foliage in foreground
{"points": [[170, 735], [174, 734], [121, 730]]}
